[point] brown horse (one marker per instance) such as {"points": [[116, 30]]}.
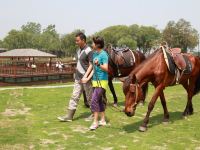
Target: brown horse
{"points": [[154, 69], [121, 68]]}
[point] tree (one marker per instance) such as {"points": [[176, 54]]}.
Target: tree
{"points": [[27, 37], [49, 39], [143, 37], [134, 31], [181, 34], [68, 42], [32, 27], [114, 33], [15, 39], [146, 38], [127, 41], [33, 31], [1, 44]]}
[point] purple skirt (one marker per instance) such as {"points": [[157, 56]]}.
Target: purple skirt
{"points": [[97, 104]]}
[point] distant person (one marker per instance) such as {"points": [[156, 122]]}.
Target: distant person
{"points": [[47, 64], [83, 68], [57, 65], [33, 66], [28, 65], [60, 66]]}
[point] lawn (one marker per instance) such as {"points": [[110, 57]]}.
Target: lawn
{"points": [[28, 121]]}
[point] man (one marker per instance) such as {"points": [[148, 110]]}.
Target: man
{"points": [[83, 69]]}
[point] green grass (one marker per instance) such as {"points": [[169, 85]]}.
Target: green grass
{"points": [[28, 121]]}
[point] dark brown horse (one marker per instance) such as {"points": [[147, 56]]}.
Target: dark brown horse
{"points": [[120, 65], [154, 69]]}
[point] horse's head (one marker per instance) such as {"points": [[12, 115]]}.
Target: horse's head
{"points": [[133, 94]]}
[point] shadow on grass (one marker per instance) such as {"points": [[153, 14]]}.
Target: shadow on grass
{"points": [[153, 121], [82, 115], [122, 103]]}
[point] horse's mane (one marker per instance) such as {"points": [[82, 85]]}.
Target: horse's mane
{"points": [[128, 80], [144, 62]]}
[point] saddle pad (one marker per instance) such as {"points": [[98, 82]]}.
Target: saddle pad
{"points": [[171, 66], [188, 68]]}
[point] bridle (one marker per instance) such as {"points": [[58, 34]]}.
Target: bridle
{"points": [[134, 89]]}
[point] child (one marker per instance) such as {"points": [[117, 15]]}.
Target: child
{"points": [[99, 81]]}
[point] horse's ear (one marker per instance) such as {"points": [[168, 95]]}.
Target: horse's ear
{"points": [[133, 79]]}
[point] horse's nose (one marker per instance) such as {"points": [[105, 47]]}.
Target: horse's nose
{"points": [[128, 114]]}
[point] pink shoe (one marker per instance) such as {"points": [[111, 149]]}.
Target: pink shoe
{"points": [[102, 123], [115, 105], [94, 126]]}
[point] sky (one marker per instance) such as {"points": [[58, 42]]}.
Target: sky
{"points": [[95, 15]]}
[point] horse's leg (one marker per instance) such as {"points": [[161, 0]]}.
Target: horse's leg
{"points": [[163, 102], [157, 92], [85, 100], [190, 90], [110, 84], [144, 90]]}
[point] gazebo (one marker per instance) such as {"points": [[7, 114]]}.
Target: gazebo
{"points": [[25, 65]]}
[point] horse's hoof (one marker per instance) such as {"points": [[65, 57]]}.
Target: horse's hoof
{"points": [[165, 122], [185, 114], [190, 113], [142, 129]]}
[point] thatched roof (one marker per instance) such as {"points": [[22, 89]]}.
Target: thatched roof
{"points": [[25, 53]]}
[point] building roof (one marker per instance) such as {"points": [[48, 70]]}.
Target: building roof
{"points": [[25, 53]]}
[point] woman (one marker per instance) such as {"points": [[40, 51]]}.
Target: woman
{"points": [[99, 81]]}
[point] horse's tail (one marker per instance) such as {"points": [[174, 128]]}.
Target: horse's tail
{"points": [[197, 84]]}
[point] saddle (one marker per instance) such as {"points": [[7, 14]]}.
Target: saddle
{"points": [[122, 57], [178, 58], [177, 63]]}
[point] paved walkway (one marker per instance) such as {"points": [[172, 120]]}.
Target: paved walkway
{"points": [[39, 87], [36, 87]]}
